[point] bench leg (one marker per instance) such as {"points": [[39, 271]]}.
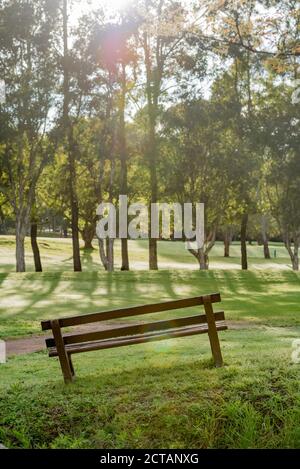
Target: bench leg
{"points": [[212, 332], [71, 366], [64, 359]]}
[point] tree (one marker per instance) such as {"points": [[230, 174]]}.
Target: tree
{"points": [[282, 163], [70, 144], [27, 64], [162, 37], [192, 167]]}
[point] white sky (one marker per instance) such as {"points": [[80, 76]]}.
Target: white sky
{"points": [[112, 6]]}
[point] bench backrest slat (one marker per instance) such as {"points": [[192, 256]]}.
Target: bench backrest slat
{"points": [[132, 311], [136, 329]]}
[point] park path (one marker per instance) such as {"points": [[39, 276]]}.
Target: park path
{"points": [[36, 343]]}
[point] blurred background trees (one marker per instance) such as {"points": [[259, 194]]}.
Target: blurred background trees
{"points": [[164, 100]]}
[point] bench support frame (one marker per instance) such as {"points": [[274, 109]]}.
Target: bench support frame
{"points": [[212, 332], [64, 358]]}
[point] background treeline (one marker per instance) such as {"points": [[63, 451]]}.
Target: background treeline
{"points": [[164, 101]]}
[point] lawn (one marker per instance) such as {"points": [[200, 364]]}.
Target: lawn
{"points": [[163, 395], [157, 395], [57, 256]]}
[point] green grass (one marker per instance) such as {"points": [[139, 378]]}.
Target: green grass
{"points": [[258, 297], [157, 395], [56, 255]]}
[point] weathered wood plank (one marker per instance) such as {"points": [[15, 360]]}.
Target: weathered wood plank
{"points": [[132, 311], [143, 338], [135, 329]]}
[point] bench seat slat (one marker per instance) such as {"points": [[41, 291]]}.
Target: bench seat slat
{"points": [[132, 311], [135, 329], [138, 339]]}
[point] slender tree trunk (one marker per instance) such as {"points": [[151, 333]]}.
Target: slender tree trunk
{"points": [[22, 221], [124, 158], [244, 225], [20, 248], [267, 254], [35, 247], [110, 243], [296, 259], [20, 252], [153, 254], [265, 237], [227, 241], [203, 260], [106, 251], [88, 234], [110, 254], [202, 257], [74, 208], [153, 88], [226, 247], [293, 252], [125, 254], [102, 253], [71, 146], [153, 264]]}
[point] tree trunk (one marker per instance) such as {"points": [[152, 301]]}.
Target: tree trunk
{"points": [[296, 261], [106, 252], [153, 254], [102, 253], [244, 241], [88, 234], [35, 247], [75, 214], [153, 265], [293, 253], [226, 247], [227, 241], [123, 157], [21, 228], [20, 250], [125, 255], [110, 254], [71, 146], [267, 254], [153, 89], [203, 260], [265, 240]]}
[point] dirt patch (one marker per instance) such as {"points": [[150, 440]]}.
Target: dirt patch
{"points": [[36, 343]]}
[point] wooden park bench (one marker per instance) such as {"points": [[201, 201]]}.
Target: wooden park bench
{"points": [[65, 345]]}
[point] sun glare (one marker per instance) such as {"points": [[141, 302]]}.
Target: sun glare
{"points": [[112, 6], [116, 4]]}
